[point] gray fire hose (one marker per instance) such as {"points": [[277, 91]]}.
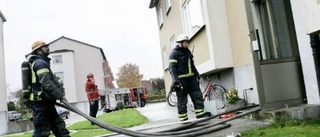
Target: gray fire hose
{"points": [[208, 118], [190, 132]]}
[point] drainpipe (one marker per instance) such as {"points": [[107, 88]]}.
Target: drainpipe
{"points": [[315, 45]]}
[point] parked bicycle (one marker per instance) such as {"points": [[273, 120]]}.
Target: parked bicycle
{"points": [[211, 92]]}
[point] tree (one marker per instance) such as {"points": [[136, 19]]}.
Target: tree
{"points": [[11, 106], [157, 84], [129, 76], [18, 103]]}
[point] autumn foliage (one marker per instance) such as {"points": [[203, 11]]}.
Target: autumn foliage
{"points": [[129, 76]]}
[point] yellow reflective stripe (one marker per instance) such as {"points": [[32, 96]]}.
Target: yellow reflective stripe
{"points": [[39, 95], [31, 97], [33, 75], [186, 75], [182, 115], [183, 119], [190, 71], [200, 114], [199, 110], [44, 70], [173, 61]]}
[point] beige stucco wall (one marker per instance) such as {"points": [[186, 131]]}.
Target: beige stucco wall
{"points": [[199, 47], [171, 27], [239, 33], [218, 39]]}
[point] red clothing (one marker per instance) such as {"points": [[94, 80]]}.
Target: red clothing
{"points": [[92, 91]]}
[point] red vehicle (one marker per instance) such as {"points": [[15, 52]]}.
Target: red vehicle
{"points": [[139, 95]]}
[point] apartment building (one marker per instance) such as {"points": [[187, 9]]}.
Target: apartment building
{"points": [[71, 61], [3, 90], [243, 44]]}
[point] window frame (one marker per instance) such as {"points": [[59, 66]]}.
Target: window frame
{"points": [[160, 16], [55, 58], [165, 55], [193, 15], [173, 42], [276, 45], [168, 6]]}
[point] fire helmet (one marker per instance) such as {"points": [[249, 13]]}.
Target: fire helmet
{"points": [[38, 44], [182, 37], [90, 75]]}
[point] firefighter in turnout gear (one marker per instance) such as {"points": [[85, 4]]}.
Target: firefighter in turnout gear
{"points": [[185, 79], [92, 95], [45, 90]]}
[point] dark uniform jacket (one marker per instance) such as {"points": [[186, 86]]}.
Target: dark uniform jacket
{"points": [[43, 79], [182, 64]]}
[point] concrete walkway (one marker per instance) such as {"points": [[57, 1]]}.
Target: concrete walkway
{"points": [[161, 116]]}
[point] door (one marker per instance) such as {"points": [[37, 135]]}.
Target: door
{"points": [[276, 55]]}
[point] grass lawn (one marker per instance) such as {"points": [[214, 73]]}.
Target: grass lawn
{"points": [[123, 118], [287, 128]]}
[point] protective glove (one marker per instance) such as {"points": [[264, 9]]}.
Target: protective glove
{"points": [[63, 98], [176, 86], [92, 102]]}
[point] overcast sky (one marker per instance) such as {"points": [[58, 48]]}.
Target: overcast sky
{"points": [[125, 29]]}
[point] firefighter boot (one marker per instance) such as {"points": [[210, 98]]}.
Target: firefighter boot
{"points": [[206, 114]]}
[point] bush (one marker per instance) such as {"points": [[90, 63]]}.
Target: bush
{"points": [[156, 96], [232, 96], [120, 105]]}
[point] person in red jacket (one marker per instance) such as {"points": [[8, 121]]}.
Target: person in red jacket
{"points": [[92, 95]]}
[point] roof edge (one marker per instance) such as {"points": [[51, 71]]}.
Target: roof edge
{"points": [[2, 17], [101, 50], [153, 3]]}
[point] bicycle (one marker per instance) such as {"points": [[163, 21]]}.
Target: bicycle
{"points": [[212, 91]]}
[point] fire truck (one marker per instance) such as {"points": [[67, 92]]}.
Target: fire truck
{"points": [[131, 97]]}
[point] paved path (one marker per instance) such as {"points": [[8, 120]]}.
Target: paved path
{"points": [[161, 117]]}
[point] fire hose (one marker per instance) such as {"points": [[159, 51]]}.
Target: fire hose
{"points": [[175, 132]]}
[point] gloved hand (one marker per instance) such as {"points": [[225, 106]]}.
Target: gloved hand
{"points": [[63, 98], [92, 102], [176, 86]]}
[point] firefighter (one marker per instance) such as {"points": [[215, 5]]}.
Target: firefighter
{"points": [[92, 95], [45, 91], [185, 79]]}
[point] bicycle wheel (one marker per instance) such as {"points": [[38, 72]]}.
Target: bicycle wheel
{"points": [[172, 99], [217, 93]]}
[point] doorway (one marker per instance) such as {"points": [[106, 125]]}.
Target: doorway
{"points": [[276, 57]]}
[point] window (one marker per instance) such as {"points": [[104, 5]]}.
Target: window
{"points": [[193, 16], [278, 37], [168, 5], [165, 55], [60, 76], [173, 42], [159, 15], [57, 59]]}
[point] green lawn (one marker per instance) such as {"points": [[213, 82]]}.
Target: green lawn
{"points": [[123, 118], [287, 128]]}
